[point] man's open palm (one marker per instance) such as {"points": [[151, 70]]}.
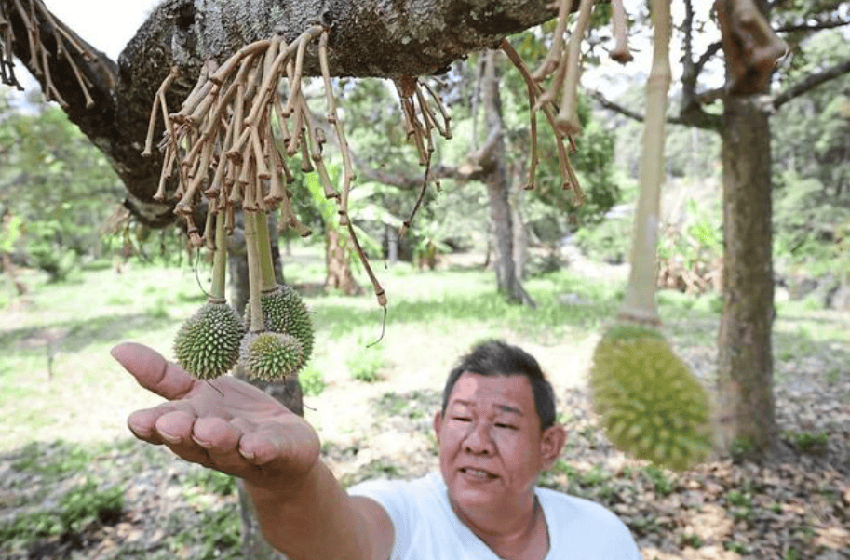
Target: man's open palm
{"points": [[226, 424]]}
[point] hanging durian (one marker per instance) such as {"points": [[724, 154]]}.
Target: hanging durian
{"points": [[267, 353], [271, 356], [650, 404], [207, 344], [284, 311]]}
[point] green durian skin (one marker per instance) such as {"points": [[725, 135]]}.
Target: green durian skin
{"points": [[284, 312], [271, 356], [207, 344], [650, 404]]}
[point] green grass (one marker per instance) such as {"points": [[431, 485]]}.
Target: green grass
{"points": [[60, 344]]}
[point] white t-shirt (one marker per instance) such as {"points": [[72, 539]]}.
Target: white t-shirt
{"points": [[426, 528]]}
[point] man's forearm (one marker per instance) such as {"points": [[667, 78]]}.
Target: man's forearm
{"points": [[310, 519]]}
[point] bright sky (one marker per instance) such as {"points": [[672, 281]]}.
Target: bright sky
{"points": [[105, 24]]}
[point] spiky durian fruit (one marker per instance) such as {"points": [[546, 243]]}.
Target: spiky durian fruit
{"points": [[207, 344], [271, 356], [285, 312], [650, 404]]}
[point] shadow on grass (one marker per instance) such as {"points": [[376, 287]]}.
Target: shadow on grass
{"points": [[72, 336]]}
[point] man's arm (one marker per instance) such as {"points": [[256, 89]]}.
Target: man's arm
{"points": [[235, 428], [327, 521]]}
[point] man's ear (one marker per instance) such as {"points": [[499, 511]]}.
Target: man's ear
{"points": [[551, 444], [438, 423]]}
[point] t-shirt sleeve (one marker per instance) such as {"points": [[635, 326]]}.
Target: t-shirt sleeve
{"points": [[393, 495]]}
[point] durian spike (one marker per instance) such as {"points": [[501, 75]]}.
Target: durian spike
{"points": [[649, 404], [207, 344], [271, 356]]}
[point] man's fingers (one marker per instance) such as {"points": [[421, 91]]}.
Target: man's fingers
{"points": [[153, 371], [176, 427], [143, 422], [221, 439]]}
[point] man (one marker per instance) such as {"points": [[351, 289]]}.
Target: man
{"points": [[496, 432]]}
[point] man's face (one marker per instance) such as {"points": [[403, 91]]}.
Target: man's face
{"points": [[491, 448]]}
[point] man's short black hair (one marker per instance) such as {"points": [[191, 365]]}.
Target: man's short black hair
{"points": [[495, 357]]}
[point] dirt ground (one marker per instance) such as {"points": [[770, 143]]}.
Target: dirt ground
{"points": [[796, 506]]}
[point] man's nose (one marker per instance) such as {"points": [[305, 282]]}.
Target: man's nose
{"points": [[478, 440]]}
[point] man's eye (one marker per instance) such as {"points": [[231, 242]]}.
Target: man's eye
{"points": [[507, 426], [462, 418]]}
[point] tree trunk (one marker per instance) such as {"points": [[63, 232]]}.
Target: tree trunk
{"points": [[504, 266], [521, 255], [745, 377], [745, 373], [339, 271]]}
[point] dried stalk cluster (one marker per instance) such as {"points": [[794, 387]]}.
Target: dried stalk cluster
{"points": [[64, 42], [233, 139], [562, 64]]}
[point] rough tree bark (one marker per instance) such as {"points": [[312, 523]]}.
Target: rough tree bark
{"points": [[745, 370]]}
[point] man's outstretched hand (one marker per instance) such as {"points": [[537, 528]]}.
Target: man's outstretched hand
{"points": [[225, 424]]}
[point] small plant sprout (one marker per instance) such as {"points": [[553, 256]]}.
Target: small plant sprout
{"points": [[651, 406]]}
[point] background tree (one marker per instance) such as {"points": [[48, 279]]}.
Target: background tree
{"points": [[58, 188], [745, 376]]}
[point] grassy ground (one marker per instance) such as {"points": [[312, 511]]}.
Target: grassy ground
{"points": [[64, 404]]}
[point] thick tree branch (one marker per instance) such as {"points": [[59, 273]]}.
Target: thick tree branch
{"points": [[812, 81], [368, 38], [689, 69]]}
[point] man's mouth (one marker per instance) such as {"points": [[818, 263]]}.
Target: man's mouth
{"points": [[477, 473]]}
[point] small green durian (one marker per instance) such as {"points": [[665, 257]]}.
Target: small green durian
{"points": [[271, 356], [284, 312], [650, 404], [207, 344]]}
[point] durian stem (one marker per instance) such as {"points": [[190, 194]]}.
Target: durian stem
{"points": [[266, 261], [639, 301], [219, 260], [255, 306]]}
